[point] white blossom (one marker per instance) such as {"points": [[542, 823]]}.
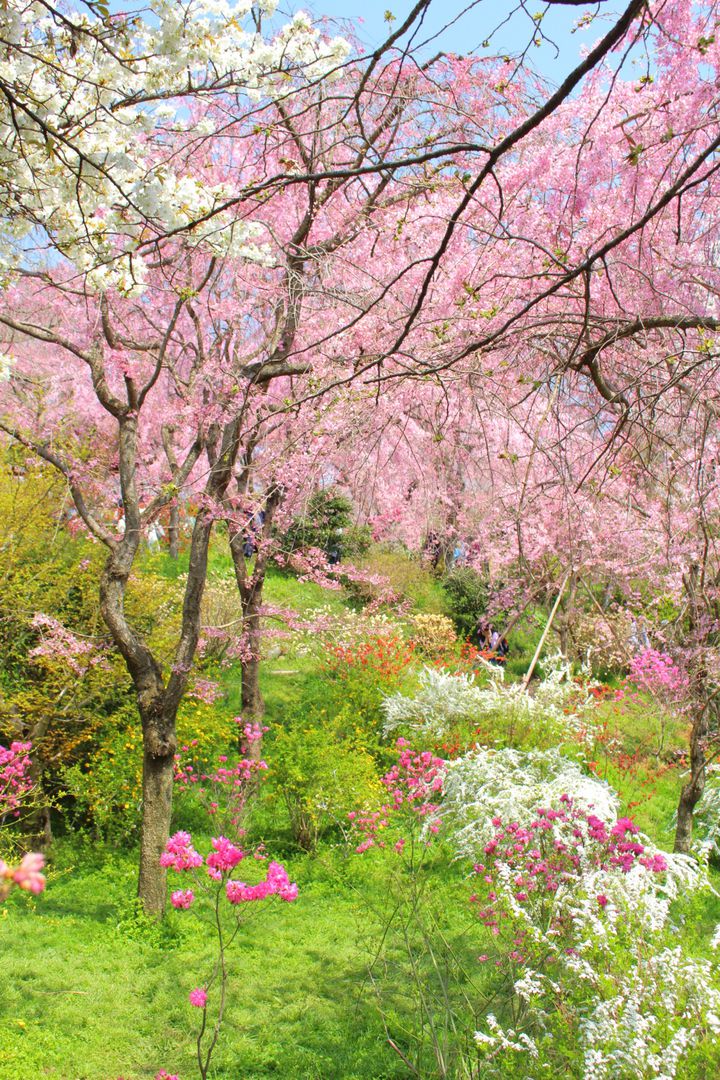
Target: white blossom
{"points": [[82, 94]]}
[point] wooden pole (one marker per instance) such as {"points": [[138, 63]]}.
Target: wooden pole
{"points": [[528, 675]]}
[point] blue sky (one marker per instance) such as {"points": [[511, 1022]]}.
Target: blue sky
{"points": [[470, 30]]}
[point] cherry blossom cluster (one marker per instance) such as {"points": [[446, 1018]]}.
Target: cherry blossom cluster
{"points": [[312, 565], [206, 690], [57, 642], [658, 674], [108, 85]]}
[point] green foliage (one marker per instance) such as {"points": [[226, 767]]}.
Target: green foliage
{"points": [[53, 691], [321, 776], [407, 577], [106, 786], [327, 524], [467, 598]]}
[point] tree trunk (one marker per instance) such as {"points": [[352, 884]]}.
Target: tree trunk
{"points": [[693, 790], [157, 790], [37, 826], [564, 622], [174, 531], [253, 704], [250, 587]]}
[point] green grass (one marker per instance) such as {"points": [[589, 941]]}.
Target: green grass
{"points": [[90, 991]]}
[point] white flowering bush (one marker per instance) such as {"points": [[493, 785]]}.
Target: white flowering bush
{"points": [[651, 1018], [639, 1025], [510, 784], [442, 701], [558, 707], [579, 904], [555, 708]]}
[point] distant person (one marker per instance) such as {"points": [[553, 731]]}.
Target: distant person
{"points": [[483, 632], [459, 553]]}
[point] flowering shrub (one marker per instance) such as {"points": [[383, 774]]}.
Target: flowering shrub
{"points": [[384, 657], [20, 794], [227, 897], [564, 871], [413, 785], [224, 791], [659, 1011], [510, 784], [558, 708], [569, 899], [443, 702], [15, 779], [658, 674], [350, 698], [604, 640]]}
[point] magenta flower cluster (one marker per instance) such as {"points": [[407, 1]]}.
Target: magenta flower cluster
{"points": [[179, 854], [219, 863], [276, 883], [413, 785], [15, 780], [26, 876]]}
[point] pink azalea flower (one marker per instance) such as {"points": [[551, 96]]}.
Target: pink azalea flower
{"points": [[27, 875], [182, 898], [224, 855], [198, 997]]}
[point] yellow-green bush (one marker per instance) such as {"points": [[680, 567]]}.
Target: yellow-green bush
{"points": [[321, 777], [106, 787], [434, 636]]}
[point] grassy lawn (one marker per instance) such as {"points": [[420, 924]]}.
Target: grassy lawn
{"points": [[90, 991]]}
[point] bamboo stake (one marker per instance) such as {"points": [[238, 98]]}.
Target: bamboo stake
{"points": [[528, 675]]}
